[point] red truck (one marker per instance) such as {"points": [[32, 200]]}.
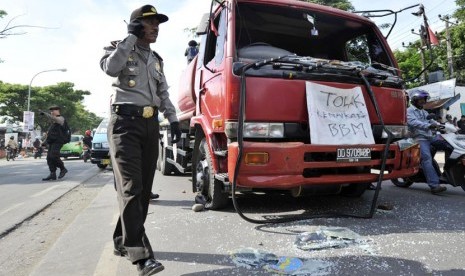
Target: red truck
{"points": [[246, 108]]}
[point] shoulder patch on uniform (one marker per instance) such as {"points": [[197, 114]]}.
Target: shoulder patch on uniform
{"points": [[115, 43], [157, 55]]}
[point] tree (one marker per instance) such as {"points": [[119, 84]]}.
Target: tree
{"points": [[9, 29], [13, 101], [457, 37], [410, 62]]}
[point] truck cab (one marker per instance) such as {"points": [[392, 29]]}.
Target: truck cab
{"points": [[248, 110]]}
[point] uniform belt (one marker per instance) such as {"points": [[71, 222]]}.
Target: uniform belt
{"points": [[134, 110]]}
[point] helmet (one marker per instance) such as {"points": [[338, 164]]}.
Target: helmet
{"points": [[88, 132], [192, 43], [418, 94]]}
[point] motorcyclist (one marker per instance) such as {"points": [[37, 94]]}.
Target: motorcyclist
{"points": [[38, 146], [13, 145], [88, 139], [421, 129], [88, 145]]}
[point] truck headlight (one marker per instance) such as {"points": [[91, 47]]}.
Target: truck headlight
{"points": [[256, 130], [397, 131]]}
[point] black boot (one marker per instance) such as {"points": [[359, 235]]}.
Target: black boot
{"points": [[51, 176], [62, 172]]}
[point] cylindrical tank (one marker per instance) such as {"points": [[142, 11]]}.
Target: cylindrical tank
{"points": [[186, 93]]}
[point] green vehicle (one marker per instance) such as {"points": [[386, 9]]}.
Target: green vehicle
{"points": [[73, 148]]}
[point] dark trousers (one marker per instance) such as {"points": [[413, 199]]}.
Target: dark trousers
{"points": [[53, 157], [134, 152]]}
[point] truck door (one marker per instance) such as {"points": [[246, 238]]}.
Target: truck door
{"points": [[210, 81]]}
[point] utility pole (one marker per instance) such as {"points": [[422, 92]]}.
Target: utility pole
{"points": [[422, 55], [450, 63]]}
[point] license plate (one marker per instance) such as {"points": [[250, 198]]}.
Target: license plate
{"points": [[105, 161], [353, 155]]}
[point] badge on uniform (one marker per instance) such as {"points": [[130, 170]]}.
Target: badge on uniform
{"points": [[132, 83], [157, 66], [130, 58]]}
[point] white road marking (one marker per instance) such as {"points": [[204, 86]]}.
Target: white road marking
{"points": [[11, 208], [108, 262], [44, 191]]}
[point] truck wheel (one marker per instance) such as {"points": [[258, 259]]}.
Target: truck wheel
{"points": [[101, 166], [355, 189], [203, 177], [165, 167]]}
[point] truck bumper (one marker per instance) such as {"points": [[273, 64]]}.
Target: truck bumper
{"points": [[294, 164]]}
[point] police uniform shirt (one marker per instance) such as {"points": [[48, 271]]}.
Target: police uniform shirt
{"points": [[139, 78]]}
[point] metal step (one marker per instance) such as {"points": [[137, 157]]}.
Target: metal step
{"points": [[224, 178], [222, 153]]}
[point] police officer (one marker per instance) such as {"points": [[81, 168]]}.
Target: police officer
{"points": [[133, 130], [55, 142]]}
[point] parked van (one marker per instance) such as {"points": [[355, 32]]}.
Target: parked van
{"points": [[100, 149]]}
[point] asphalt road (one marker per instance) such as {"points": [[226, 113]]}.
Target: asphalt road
{"points": [[423, 234], [23, 193]]}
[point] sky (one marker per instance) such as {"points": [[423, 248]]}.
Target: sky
{"points": [[77, 31]]}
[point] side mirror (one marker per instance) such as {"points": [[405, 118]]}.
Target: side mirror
{"points": [[202, 28]]}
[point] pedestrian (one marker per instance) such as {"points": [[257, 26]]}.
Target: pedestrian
{"points": [[461, 124], [191, 51], [141, 92], [55, 140], [449, 119], [420, 127]]}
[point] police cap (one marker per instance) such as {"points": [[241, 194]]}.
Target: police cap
{"points": [[54, 107], [146, 11]]}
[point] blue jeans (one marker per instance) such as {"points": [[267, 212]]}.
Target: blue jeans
{"points": [[426, 158]]}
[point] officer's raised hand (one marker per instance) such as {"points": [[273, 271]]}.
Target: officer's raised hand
{"points": [[136, 28], [175, 132]]}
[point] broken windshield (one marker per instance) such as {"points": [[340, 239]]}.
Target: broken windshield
{"points": [[279, 30]]}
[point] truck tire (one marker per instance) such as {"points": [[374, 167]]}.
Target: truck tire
{"points": [[203, 177], [101, 166], [165, 167]]}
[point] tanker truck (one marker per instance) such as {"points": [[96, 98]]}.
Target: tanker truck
{"points": [[292, 96]]}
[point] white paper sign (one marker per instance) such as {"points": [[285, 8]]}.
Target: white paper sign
{"points": [[337, 116], [28, 120]]}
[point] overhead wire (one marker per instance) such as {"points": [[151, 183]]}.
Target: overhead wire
{"points": [[402, 34]]}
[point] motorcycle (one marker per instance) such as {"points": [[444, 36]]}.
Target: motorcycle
{"points": [[85, 153], [454, 174], [37, 152], [10, 154]]}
